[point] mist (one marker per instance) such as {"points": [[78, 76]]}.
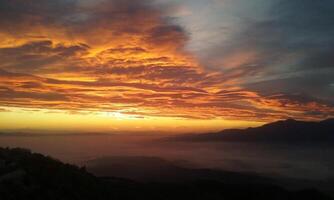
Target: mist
{"points": [[303, 161]]}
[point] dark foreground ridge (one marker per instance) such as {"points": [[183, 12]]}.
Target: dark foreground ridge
{"points": [[26, 175], [281, 131]]}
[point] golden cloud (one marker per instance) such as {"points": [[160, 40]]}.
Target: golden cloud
{"points": [[118, 55]]}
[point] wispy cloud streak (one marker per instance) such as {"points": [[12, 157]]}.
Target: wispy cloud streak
{"points": [[129, 57]]}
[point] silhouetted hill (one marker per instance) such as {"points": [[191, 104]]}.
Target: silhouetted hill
{"points": [[281, 131], [26, 175]]}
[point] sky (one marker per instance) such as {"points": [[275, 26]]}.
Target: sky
{"points": [[164, 65]]}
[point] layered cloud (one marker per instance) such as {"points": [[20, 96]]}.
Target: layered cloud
{"points": [[279, 42], [130, 57]]}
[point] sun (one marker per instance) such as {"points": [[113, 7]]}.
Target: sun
{"points": [[118, 115]]}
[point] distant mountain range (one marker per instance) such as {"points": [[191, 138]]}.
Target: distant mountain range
{"points": [[281, 131]]}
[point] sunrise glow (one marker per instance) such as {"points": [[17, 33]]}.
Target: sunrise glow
{"points": [[136, 65]]}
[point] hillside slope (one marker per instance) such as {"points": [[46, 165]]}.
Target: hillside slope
{"points": [[26, 175]]}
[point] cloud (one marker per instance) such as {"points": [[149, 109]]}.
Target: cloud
{"points": [[153, 100], [285, 48], [17, 15], [10, 94], [168, 35], [129, 56], [38, 54], [301, 29]]}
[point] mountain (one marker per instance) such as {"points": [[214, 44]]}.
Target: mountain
{"points": [[27, 175], [281, 131]]}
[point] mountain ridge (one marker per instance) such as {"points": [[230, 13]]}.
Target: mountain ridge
{"points": [[289, 130]]}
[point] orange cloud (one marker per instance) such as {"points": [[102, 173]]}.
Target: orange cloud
{"points": [[123, 56]]}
